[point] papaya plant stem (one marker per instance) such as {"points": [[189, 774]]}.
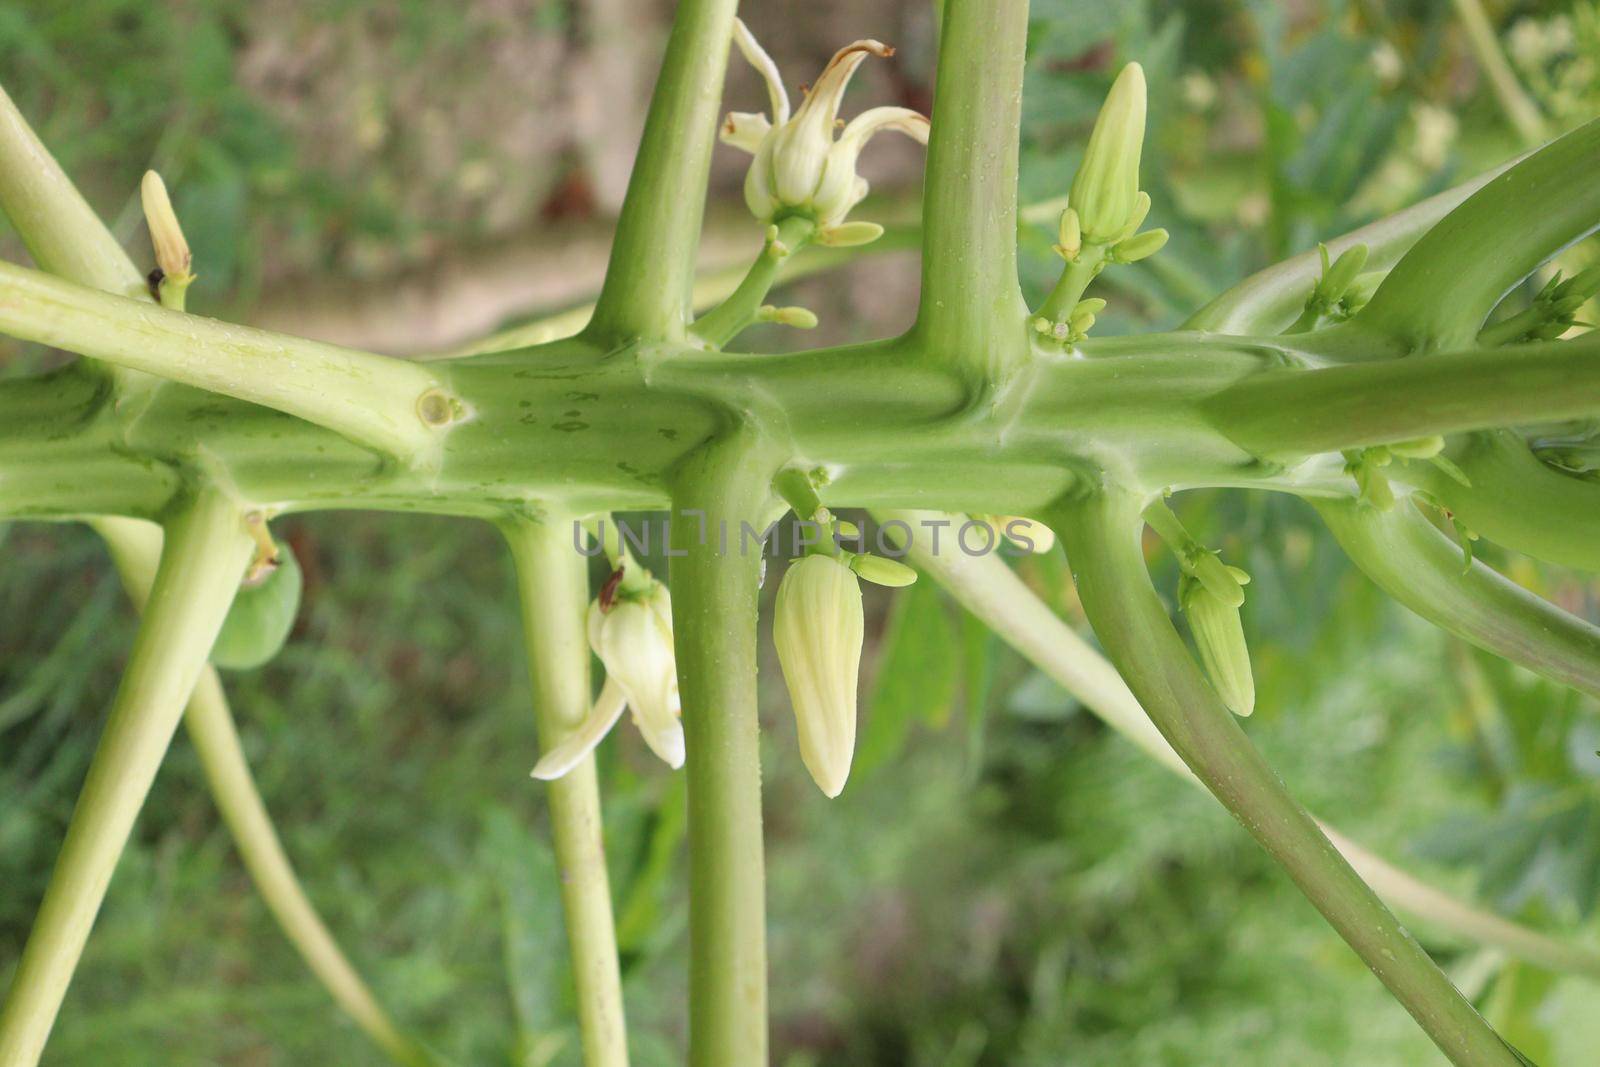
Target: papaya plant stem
{"points": [[715, 585], [648, 280], [135, 548], [553, 588], [206, 550], [388, 404], [728, 319], [1101, 535], [1070, 287], [997, 596], [972, 313]]}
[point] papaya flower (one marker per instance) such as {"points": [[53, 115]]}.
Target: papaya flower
{"points": [[799, 167], [633, 639], [818, 628]]}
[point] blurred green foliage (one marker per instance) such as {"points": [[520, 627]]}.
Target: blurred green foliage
{"points": [[1003, 882]]}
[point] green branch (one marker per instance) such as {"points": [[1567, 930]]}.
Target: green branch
{"points": [[553, 588], [741, 307], [993, 592], [972, 312], [1101, 538], [387, 404], [714, 602], [1422, 568], [1294, 413], [646, 291], [206, 550]]}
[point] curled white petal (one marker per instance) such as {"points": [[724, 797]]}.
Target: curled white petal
{"points": [[757, 57], [745, 130], [914, 124], [596, 725]]}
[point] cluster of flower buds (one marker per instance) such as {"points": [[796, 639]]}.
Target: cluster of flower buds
{"points": [[1367, 467], [800, 168], [1077, 324], [1210, 593], [1340, 292], [169, 282], [1553, 311], [818, 628]]}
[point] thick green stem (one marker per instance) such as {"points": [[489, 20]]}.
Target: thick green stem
{"points": [[993, 592], [136, 548], [553, 586], [1440, 292], [206, 550], [972, 313], [1293, 413], [728, 319], [714, 596], [1422, 568], [1101, 536], [388, 404], [646, 291]]}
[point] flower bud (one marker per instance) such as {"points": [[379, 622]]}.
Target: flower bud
{"points": [[798, 317], [1106, 188], [173, 259], [850, 234], [1219, 636], [1139, 246], [634, 641], [1069, 236], [1030, 535], [818, 630], [880, 570], [1338, 278]]}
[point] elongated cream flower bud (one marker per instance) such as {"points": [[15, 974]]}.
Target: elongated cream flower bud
{"points": [[818, 630], [1219, 636], [173, 260], [1105, 191], [634, 641]]}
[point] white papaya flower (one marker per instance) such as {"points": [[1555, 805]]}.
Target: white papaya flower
{"points": [[818, 630], [799, 167], [633, 639]]}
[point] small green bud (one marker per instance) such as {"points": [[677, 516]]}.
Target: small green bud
{"points": [[1030, 535], [1069, 236], [1080, 322], [880, 570], [1339, 277], [818, 629], [1219, 637], [1041, 324], [173, 273], [1141, 211], [850, 234], [798, 317], [1106, 188], [1090, 306], [1139, 246], [1220, 580]]}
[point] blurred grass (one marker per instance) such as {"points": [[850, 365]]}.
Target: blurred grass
{"points": [[1004, 882]]}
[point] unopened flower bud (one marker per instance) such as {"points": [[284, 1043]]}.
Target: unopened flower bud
{"points": [[1030, 535], [880, 570], [1219, 637], [1069, 236], [850, 234], [1139, 246], [1141, 211], [1106, 188], [1339, 277], [798, 317], [818, 629], [634, 641], [1221, 581], [173, 259]]}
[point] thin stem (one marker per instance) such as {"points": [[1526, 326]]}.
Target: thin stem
{"points": [[646, 291], [135, 548], [388, 404], [206, 551], [61, 231], [729, 318], [1070, 287], [1101, 538], [993, 592], [553, 586], [1422, 568], [972, 312], [714, 596], [1519, 108], [1358, 405]]}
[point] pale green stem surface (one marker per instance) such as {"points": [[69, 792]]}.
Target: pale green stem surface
{"points": [[729, 318], [373, 400], [207, 547], [553, 587], [994, 593], [1422, 568], [136, 548], [972, 314], [714, 602], [1074, 280], [1519, 108], [648, 281], [1101, 535]]}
